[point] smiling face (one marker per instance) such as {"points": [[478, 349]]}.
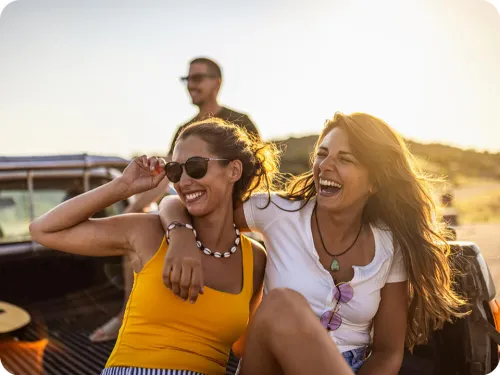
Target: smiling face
{"points": [[342, 182], [214, 190]]}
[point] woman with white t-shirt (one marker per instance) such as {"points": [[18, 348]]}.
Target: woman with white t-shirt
{"points": [[356, 237]]}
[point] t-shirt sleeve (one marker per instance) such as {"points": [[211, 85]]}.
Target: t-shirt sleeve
{"points": [[259, 212], [397, 272]]}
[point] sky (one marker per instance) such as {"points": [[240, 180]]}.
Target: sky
{"points": [[102, 76]]}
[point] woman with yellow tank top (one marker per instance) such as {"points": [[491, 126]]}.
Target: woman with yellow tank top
{"points": [[214, 164]]}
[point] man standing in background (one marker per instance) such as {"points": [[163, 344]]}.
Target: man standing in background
{"points": [[203, 81]]}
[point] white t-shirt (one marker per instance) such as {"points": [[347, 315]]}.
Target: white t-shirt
{"points": [[294, 263]]}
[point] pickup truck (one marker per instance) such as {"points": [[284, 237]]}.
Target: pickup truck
{"points": [[67, 296]]}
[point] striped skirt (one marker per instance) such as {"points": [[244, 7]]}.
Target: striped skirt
{"points": [[145, 371]]}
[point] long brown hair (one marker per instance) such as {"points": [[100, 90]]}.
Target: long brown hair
{"points": [[403, 203], [260, 159]]}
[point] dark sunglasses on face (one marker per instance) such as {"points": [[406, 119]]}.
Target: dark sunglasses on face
{"points": [[196, 167], [196, 78]]}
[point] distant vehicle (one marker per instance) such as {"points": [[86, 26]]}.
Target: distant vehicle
{"points": [[68, 296]]}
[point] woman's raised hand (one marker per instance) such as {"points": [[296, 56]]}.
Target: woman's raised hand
{"points": [[143, 173]]}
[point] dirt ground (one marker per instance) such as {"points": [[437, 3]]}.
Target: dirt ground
{"points": [[487, 237]]}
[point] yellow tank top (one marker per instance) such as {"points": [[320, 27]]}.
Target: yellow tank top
{"points": [[161, 331]]}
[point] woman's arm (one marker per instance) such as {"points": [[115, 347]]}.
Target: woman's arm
{"points": [[182, 272], [389, 331], [68, 226]]}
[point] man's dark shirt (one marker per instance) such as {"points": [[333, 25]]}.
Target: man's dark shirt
{"points": [[225, 114]]}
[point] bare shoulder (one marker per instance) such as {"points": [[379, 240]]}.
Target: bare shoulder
{"points": [[259, 266], [259, 255]]}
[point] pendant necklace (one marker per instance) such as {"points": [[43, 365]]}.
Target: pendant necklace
{"points": [[334, 266]]}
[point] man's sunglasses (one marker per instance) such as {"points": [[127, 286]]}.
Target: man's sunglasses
{"points": [[196, 78], [196, 167]]}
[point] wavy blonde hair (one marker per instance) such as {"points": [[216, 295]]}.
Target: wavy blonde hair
{"points": [[403, 202]]}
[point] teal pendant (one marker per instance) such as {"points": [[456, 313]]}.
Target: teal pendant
{"points": [[335, 265]]}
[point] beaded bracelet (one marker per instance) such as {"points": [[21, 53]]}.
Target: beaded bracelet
{"points": [[177, 224]]}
